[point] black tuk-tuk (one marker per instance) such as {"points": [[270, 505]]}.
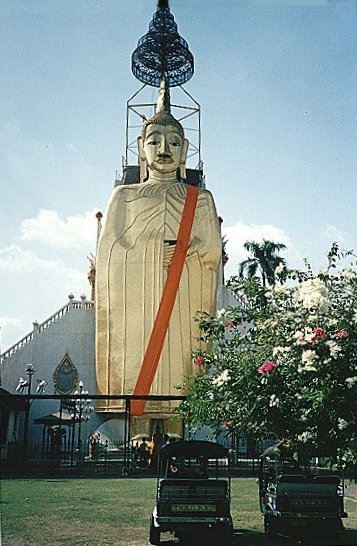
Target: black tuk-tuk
{"points": [[193, 491], [293, 496]]}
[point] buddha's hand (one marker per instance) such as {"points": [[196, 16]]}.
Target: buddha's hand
{"points": [[199, 249]]}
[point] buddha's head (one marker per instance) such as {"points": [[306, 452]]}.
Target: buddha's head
{"points": [[162, 148]]}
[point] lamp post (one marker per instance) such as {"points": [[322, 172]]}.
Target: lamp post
{"points": [[82, 409], [27, 383]]}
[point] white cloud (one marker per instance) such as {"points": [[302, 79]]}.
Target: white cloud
{"points": [[33, 288], [10, 330], [239, 233], [7, 321], [14, 259], [49, 228], [336, 235]]}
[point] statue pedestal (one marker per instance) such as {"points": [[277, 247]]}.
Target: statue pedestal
{"points": [[147, 424]]}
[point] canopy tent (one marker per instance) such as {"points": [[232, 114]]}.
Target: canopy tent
{"points": [[57, 418]]}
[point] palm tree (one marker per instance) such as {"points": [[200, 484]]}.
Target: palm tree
{"points": [[264, 260]]}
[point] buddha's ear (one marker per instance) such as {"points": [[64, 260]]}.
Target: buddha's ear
{"points": [[183, 159], [142, 160]]}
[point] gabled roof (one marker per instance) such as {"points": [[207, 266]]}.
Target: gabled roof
{"points": [[7, 399]]}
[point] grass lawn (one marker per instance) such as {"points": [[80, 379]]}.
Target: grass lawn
{"points": [[92, 512]]}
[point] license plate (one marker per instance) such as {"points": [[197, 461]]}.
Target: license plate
{"points": [[308, 502], [193, 508]]}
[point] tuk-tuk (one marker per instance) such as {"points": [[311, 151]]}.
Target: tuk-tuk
{"points": [[293, 496], [193, 492]]}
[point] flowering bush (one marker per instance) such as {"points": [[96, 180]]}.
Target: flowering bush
{"points": [[284, 361]]}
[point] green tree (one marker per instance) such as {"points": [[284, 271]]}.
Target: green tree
{"points": [[264, 259], [284, 366]]}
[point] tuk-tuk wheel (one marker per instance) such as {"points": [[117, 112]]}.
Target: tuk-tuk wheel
{"points": [[154, 533], [270, 526], [224, 534], [228, 537]]}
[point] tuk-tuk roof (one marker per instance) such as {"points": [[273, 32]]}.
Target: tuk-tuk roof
{"points": [[193, 448], [271, 451]]}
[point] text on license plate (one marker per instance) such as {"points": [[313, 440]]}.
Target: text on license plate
{"points": [[193, 508], [309, 502]]}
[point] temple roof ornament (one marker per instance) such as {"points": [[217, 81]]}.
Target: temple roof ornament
{"points": [[162, 53]]}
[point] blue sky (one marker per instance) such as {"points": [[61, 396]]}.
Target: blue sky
{"points": [[277, 84]]}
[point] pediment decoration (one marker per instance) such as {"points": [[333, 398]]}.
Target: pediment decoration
{"points": [[65, 376]]}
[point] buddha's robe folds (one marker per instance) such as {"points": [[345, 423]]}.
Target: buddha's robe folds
{"points": [[140, 224]]}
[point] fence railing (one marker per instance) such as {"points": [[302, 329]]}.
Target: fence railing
{"points": [[105, 459], [64, 450]]}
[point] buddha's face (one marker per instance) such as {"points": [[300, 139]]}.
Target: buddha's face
{"points": [[163, 148]]}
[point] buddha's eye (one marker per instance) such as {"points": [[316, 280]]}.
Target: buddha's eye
{"points": [[175, 144]]}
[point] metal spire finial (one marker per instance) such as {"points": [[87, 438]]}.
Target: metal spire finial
{"points": [[162, 53]]}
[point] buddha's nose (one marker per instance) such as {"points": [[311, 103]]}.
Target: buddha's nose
{"points": [[165, 148]]}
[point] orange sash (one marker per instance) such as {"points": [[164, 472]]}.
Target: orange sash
{"points": [[161, 324]]}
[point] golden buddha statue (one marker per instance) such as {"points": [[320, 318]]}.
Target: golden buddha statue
{"points": [[136, 253]]}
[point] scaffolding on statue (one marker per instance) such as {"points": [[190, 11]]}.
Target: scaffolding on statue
{"points": [[162, 54], [140, 110]]}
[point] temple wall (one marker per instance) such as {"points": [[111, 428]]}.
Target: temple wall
{"points": [[73, 333]]}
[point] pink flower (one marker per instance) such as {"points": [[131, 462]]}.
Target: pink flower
{"points": [[267, 367], [342, 333], [230, 324], [319, 333], [199, 361]]}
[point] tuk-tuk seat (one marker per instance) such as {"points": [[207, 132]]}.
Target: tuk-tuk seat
{"points": [[171, 487], [291, 478], [336, 480]]}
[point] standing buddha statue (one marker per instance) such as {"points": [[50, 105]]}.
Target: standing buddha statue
{"points": [[140, 247]]}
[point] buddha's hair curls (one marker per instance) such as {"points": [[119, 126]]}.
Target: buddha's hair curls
{"points": [[163, 118]]}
